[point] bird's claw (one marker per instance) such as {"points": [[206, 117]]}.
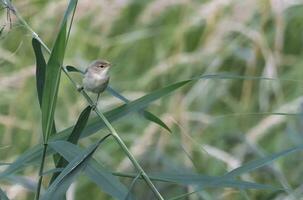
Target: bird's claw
{"points": [[80, 88], [94, 106]]}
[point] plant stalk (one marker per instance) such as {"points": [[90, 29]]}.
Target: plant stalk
{"points": [[130, 155], [37, 196], [89, 100], [124, 147]]}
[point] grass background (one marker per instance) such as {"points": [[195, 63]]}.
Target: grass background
{"points": [[217, 124]]}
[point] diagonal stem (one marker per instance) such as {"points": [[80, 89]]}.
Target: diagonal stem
{"points": [[100, 114], [129, 154], [37, 195], [124, 147]]}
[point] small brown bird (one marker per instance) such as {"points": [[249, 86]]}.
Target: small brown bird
{"points": [[96, 77]]}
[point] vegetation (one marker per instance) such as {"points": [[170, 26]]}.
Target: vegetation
{"points": [[204, 101]]}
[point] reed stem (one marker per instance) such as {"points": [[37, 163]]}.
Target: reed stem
{"points": [[100, 114]]}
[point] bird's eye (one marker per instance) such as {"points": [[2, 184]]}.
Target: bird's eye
{"points": [[102, 66]]}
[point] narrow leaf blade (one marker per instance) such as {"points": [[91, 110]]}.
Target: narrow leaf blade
{"points": [[74, 137], [241, 185], [29, 157], [95, 171], [58, 188], [80, 125], [151, 117], [52, 79], [40, 68], [132, 185], [261, 162], [116, 94], [53, 74], [70, 68], [133, 106], [146, 114]]}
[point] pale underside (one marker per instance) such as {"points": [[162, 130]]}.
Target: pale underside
{"points": [[96, 83]]}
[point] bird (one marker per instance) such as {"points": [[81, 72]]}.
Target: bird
{"points": [[96, 77]]}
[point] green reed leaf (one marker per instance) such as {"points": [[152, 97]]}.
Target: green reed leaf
{"points": [[74, 137]]}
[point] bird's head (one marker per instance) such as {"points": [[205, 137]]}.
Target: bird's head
{"points": [[99, 66]]}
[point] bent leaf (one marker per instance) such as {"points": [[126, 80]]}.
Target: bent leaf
{"points": [[58, 188], [134, 106], [146, 114], [74, 137], [96, 172]]}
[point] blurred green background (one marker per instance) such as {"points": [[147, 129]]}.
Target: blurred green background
{"points": [[217, 124]]}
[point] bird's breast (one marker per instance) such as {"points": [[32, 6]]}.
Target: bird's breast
{"points": [[95, 82]]}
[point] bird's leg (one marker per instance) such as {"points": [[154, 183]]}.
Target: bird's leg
{"points": [[96, 103]]}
